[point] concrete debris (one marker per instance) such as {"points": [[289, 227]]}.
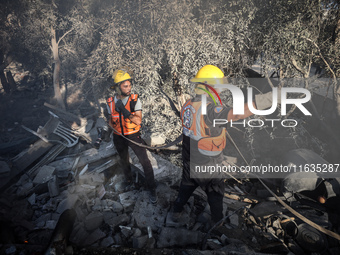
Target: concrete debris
{"points": [[67, 203], [53, 186], [164, 171], [45, 174], [114, 221], [170, 237], [107, 242], [155, 139], [94, 237], [4, 168], [128, 200], [104, 213], [93, 221]]}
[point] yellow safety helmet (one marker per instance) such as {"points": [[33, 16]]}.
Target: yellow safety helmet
{"points": [[210, 75], [120, 76]]}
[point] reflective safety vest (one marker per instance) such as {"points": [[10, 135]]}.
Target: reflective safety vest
{"points": [[118, 122], [195, 127]]}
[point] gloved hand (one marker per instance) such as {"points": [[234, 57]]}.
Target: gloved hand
{"points": [[264, 101], [121, 108]]}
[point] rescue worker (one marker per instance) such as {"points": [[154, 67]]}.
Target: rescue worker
{"points": [[125, 117], [203, 144]]}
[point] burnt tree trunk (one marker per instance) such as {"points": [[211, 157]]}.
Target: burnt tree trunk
{"points": [[4, 82], [56, 72], [3, 65], [11, 81]]}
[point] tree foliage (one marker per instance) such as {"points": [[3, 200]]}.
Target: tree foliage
{"points": [[159, 39]]}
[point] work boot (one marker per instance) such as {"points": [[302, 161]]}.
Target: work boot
{"points": [[153, 196]]}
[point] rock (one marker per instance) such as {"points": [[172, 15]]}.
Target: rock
{"points": [[155, 139], [31, 199], [113, 220], [94, 237], [117, 239], [164, 171], [93, 179], [139, 242], [107, 242], [53, 186], [44, 175], [24, 189], [170, 237], [79, 234], [115, 206], [128, 200], [50, 224], [147, 214], [67, 203], [93, 221], [4, 168]]}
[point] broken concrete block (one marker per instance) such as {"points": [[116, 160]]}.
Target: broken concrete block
{"points": [[53, 187], [107, 242], [183, 220], [139, 242], [234, 219], [137, 232], [115, 206], [151, 243], [126, 231], [97, 206], [31, 199], [79, 234], [147, 214], [214, 244], [80, 214], [170, 237], [93, 221], [63, 174], [40, 224], [44, 218], [67, 203], [128, 200], [24, 189], [4, 168], [50, 224], [155, 139], [94, 237], [93, 179], [117, 239], [101, 191], [113, 220], [45, 173]]}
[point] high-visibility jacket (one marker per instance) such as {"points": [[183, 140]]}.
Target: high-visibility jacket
{"points": [[195, 127], [123, 125]]}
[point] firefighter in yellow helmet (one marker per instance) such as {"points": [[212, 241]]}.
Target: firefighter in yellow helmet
{"points": [[125, 117], [203, 144]]}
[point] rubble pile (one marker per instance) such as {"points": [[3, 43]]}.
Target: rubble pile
{"points": [[61, 196]]}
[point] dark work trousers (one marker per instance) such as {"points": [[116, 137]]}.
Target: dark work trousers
{"points": [[122, 145], [215, 200]]}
